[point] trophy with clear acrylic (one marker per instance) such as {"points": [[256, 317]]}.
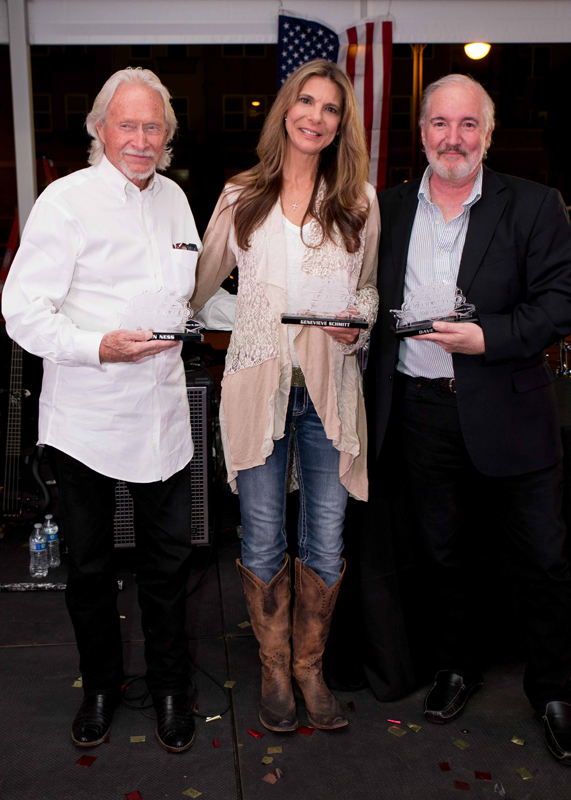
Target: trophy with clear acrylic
{"points": [[324, 303], [441, 300], [164, 313]]}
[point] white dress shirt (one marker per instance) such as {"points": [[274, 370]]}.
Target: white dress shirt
{"points": [[92, 242], [434, 254]]}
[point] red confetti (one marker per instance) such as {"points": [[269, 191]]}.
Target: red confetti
{"points": [[305, 730], [216, 743], [351, 705], [483, 776], [461, 785], [133, 796], [107, 741], [255, 734], [396, 721], [278, 773], [86, 761], [444, 766], [195, 706]]}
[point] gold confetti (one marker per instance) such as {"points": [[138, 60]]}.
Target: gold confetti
{"points": [[396, 731], [136, 739], [273, 750], [240, 744], [192, 793], [524, 773], [413, 727], [121, 616], [77, 684], [229, 684], [246, 624], [518, 740], [270, 778], [461, 744], [211, 719], [267, 760]]}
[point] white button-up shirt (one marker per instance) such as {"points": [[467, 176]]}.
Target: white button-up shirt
{"points": [[434, 254], [93, 242]]}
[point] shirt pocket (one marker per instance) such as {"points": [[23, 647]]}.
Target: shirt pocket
{"points": [[183, 266]]}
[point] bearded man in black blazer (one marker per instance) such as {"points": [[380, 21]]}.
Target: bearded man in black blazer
{"points": [[477, 399]]}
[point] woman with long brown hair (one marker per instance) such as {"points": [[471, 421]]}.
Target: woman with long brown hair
{"points": [[291, 394]]}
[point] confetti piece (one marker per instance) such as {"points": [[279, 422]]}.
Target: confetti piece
{"points": [[136, 739], [246, 624], [396, 721], [413, 727], [462, 785], [396, 731], [482, 776], [211, 719], [274, 750], [121, 616], [195, 706], [351, 706], [239, 744], [499, 789], [133, 796], [229, 684], [464, 730], [255, 734], [267, 760], [216, 743], [461, 744], [526, 776], [107, 741], [278, 773], [305, 730], [444, 766], [270, 778], [192, 793], [518, 740], [86, 761], [77, 684]]}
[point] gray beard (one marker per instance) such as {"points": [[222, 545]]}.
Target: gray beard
{"points": [[136, 176], [453, 171]]}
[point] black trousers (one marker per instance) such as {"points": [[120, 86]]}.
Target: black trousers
{"points": [[441, 486], [162, 537]]}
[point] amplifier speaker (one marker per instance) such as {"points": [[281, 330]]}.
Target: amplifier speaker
{"points": [[199, 398]]}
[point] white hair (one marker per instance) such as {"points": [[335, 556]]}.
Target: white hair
{"points": [[98, 114], [467, 82]]}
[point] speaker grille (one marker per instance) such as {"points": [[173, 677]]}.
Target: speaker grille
{"points": [[199, 533]]}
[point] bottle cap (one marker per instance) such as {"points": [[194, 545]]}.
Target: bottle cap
{"points": [[38, 525], [49, 516]]}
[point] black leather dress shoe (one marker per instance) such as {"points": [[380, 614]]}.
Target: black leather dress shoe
{"points": [[449, 694], [557, 730], [92, 722], [175, 722]]}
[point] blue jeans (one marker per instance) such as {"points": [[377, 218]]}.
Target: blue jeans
{"points": [[262, 492]]}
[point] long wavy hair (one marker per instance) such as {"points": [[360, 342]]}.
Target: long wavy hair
{"points": [[342, 170]]}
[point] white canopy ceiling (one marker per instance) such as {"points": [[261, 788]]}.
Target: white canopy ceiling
{"points": [[255, 21]]}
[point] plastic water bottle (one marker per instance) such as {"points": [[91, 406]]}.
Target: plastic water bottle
{"points": [[38, 552], [52, 541]]}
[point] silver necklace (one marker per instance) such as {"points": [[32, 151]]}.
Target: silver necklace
{"points": [[296, 205]]}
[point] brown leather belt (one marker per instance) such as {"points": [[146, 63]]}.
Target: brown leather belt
{"points": [[445, 384], [297, 377]]}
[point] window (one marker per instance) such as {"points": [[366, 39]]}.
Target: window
{"points": [[43, 112], [244, 50], [140, 51], [244, 112], [401, 113], [76, 108], [176, 51], [402, 51], [180, 108], [540, 65], [40, 50]]}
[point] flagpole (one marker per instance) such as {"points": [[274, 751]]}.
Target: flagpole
{"points": [[417, 63]]}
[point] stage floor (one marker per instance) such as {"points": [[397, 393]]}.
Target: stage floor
{"points": [[39, 665]]}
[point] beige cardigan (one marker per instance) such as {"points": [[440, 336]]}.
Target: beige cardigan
{"points": [[257, 376]]}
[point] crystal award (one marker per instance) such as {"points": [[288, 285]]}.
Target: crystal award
{"points": [[324, 302], [441, 300], [164, 313]]}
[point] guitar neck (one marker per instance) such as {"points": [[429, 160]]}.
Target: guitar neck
{"points": [[11, 499]]}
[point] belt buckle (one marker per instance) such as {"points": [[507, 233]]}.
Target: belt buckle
{"points": [[452, 385]]}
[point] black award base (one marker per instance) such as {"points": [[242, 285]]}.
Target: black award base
{"points": [[178, 337], [425, 326], [324, 322]]}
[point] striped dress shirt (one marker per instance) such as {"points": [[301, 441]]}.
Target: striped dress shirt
{"points": [[434, 254]]}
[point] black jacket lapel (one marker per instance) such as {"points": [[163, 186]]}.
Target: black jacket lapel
{"points": [[401, 229], [484, 217]]}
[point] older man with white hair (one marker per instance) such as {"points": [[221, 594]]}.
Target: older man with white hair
{"points": [[113, 402], [473, 404]]}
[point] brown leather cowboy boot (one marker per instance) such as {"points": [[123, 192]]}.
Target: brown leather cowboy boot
{"points": [[269, 609], [312, 613]]}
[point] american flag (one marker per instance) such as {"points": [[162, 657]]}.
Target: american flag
{"points": [[364, 52]]}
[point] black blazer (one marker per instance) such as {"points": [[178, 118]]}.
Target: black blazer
{"points": [[516, 269]]}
